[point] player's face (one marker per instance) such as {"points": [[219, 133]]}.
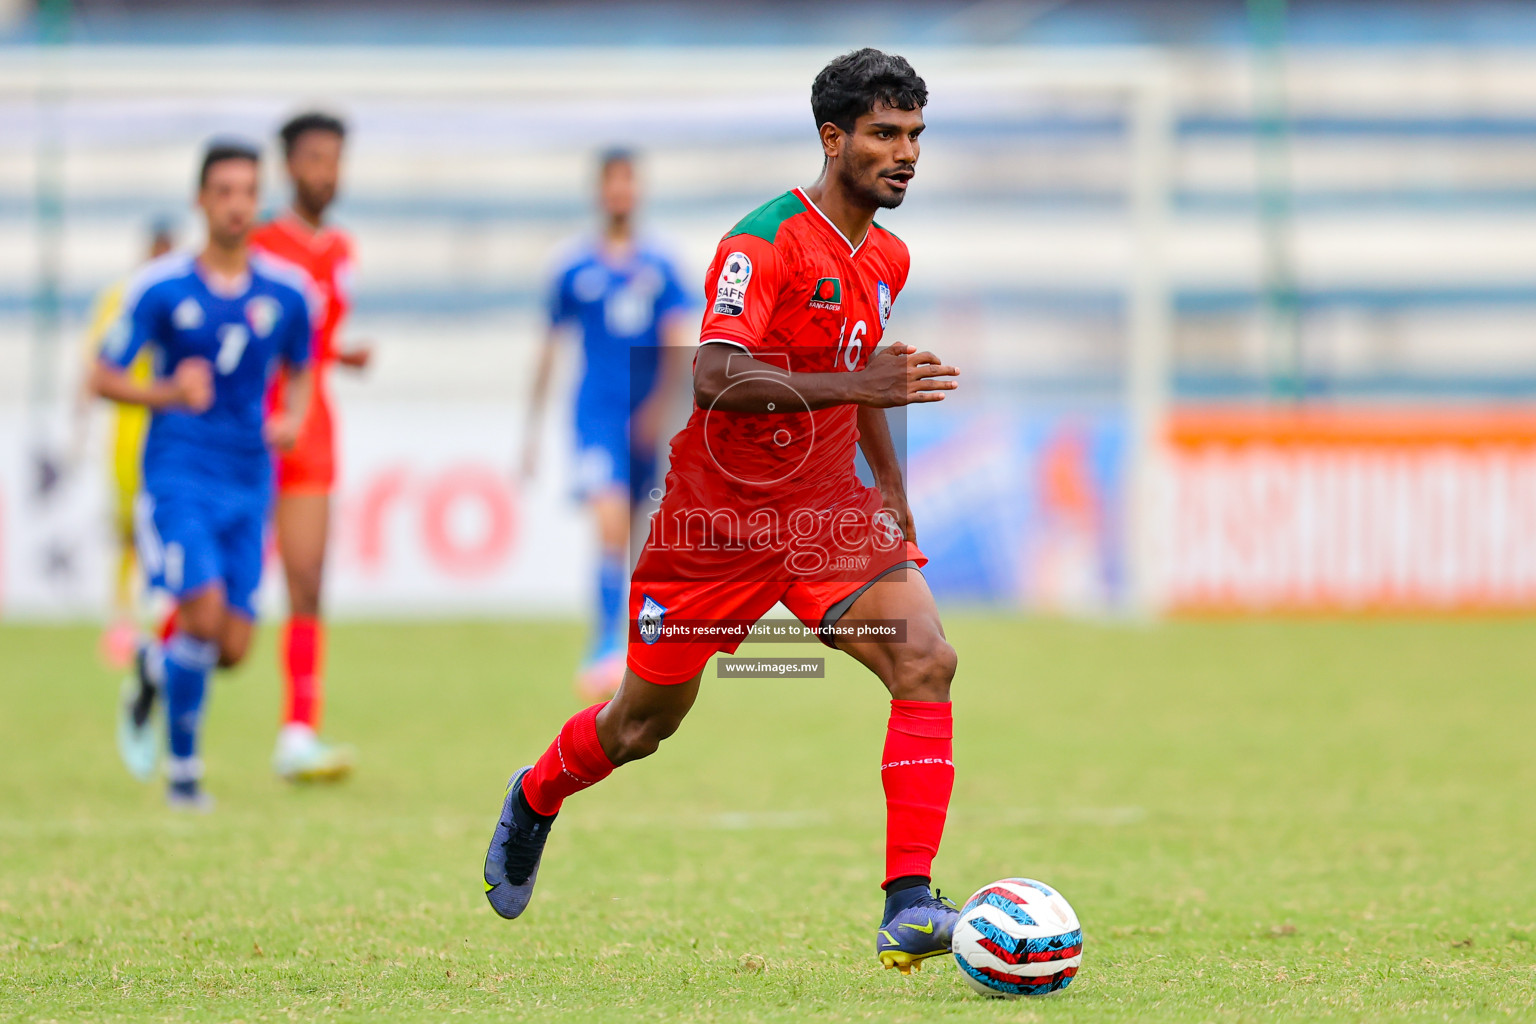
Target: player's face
{"points": [[619, 191], [315, 168], [879, 157], [228, 199]]}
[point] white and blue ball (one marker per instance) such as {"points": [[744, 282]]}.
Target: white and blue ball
{"points": [[1018, 937]]}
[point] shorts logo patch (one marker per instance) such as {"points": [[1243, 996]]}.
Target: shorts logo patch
{"points": [[731, 289], [885, 305], [651, 613], [262, 313], [828, 294], [188, 315]]}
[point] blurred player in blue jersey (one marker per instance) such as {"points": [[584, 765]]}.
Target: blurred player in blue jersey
{"points": [[217, 324], [622, 295]]}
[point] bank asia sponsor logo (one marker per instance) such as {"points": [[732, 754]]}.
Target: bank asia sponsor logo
{"points": [[731, 289], [651, 613], [828, 294], [885, 305]]}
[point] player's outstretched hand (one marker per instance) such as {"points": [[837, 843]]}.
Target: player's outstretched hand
{"points": [[901, 375], [357, 356], [193, 379]]}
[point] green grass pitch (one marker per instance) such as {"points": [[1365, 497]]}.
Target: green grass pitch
{"points": [[1255, 822]]}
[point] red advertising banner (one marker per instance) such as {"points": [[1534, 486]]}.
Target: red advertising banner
{"points": [[1356, 510]]}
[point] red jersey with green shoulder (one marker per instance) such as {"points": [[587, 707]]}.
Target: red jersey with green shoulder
{"points": [[325, 254], [745, 490]]}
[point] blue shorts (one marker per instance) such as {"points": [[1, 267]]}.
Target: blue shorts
{"points": [[605, 461], [189, 540]]}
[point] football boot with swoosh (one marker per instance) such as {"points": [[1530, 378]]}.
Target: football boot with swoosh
{"points": [[517, 846], [918, 924]]}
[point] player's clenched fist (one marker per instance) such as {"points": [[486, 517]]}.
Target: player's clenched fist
{"points": [[901, 375], [193, 383], [281, 431]]}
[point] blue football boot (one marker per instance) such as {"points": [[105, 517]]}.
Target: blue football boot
{"points": [[517, 846], [188, 795], [918, 924]]}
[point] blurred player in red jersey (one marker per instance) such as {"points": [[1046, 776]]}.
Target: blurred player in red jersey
{"points": [[763, 503], [312, 146]]}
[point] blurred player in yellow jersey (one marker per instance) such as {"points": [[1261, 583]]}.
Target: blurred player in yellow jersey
{"points": [[129, 424]]}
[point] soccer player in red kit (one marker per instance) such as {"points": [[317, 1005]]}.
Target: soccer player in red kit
{"points": [[763, 503], [312, 146]]}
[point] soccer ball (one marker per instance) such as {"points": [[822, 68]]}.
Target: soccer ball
{"points": [[1018, 937]]}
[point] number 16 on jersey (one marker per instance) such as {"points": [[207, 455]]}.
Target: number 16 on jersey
{"points": [[850, 346]]}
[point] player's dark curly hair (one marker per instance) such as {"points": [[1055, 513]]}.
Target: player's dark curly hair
{"points": [[850, 86], [613, 156], [225, 148], [310, 121]]}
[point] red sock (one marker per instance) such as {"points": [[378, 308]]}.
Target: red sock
{"points": [[303, 640], [918, 772], [574, 762]]}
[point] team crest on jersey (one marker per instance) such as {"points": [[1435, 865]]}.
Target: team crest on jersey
{"points": [[885, 305], [188, 315], [262, 313], [828, 294], [731, 289], [651, 613]]}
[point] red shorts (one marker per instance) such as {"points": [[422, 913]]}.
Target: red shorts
{"points": [[310, 465], [667, 661]]}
